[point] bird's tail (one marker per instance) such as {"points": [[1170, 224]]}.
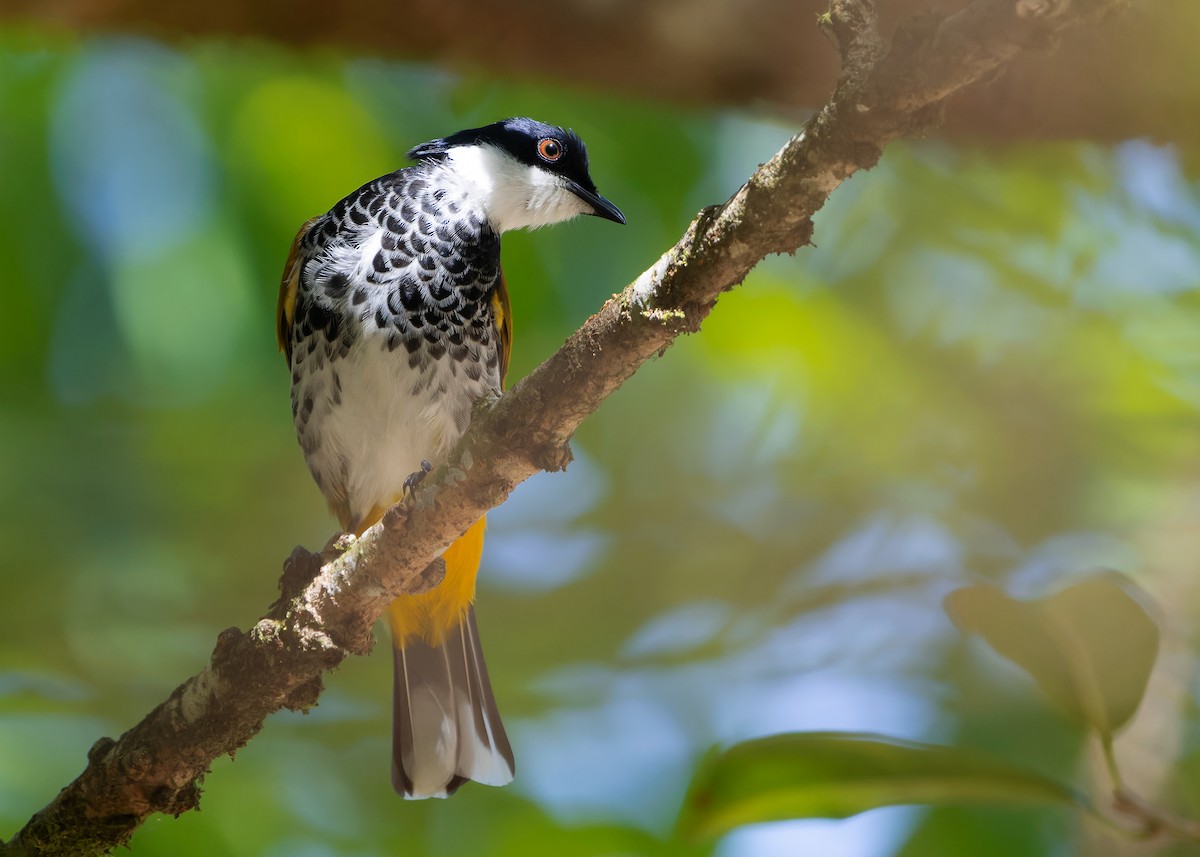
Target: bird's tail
{"points": [[445, 726]]}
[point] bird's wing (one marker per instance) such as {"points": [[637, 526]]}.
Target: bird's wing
{"points": [[289, 287], [503, 315]]}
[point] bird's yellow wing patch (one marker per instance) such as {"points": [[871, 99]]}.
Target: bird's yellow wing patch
{"points": [[289, 285], [502, 312]]}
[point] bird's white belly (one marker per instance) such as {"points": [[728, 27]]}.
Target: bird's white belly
{"points": [[391, 416]]}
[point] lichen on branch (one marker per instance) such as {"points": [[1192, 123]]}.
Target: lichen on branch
{"points": [[330, 601]]}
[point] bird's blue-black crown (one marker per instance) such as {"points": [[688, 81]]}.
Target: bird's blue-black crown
{"points": [[523, 138]]}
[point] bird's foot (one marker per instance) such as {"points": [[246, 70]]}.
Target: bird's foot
{"points": [[413, 481]]}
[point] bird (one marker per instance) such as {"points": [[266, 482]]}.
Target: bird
{"points": [[394, 318]]}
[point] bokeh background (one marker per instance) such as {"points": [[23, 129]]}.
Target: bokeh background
{"points": [[988, 368]]}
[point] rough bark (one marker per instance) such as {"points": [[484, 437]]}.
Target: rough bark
{"points": [[1137, 75], [328, 604]]}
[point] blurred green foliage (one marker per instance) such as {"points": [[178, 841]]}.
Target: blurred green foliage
{"points": [[1091, 647], [840, 774], [986, 369]]}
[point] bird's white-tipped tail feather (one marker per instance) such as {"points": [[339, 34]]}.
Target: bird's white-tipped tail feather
{"points": [[445, 727]]}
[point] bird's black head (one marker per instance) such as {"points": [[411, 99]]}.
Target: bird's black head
{"points": [[549, 148]]}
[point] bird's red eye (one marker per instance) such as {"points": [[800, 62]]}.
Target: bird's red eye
{"points": [[550, 149]]}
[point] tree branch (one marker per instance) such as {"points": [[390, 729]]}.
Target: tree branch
{"points": [[1132, 78], [329, 604]]}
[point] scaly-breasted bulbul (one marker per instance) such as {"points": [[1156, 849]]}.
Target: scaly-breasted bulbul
{"points": [[394, 318]]}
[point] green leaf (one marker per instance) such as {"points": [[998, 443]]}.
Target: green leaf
{"points": [[1090, 647], [839, 774]]}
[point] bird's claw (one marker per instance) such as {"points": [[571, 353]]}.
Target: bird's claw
{"points": [[414, 480]]}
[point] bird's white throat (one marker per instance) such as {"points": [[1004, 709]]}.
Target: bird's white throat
{"points": [[513, 195]]}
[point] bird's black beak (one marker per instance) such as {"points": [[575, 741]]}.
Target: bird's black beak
{"points": [[601, 207]]}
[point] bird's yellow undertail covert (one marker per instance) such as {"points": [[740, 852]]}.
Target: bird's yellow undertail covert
{"points": [[394, 317]]}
